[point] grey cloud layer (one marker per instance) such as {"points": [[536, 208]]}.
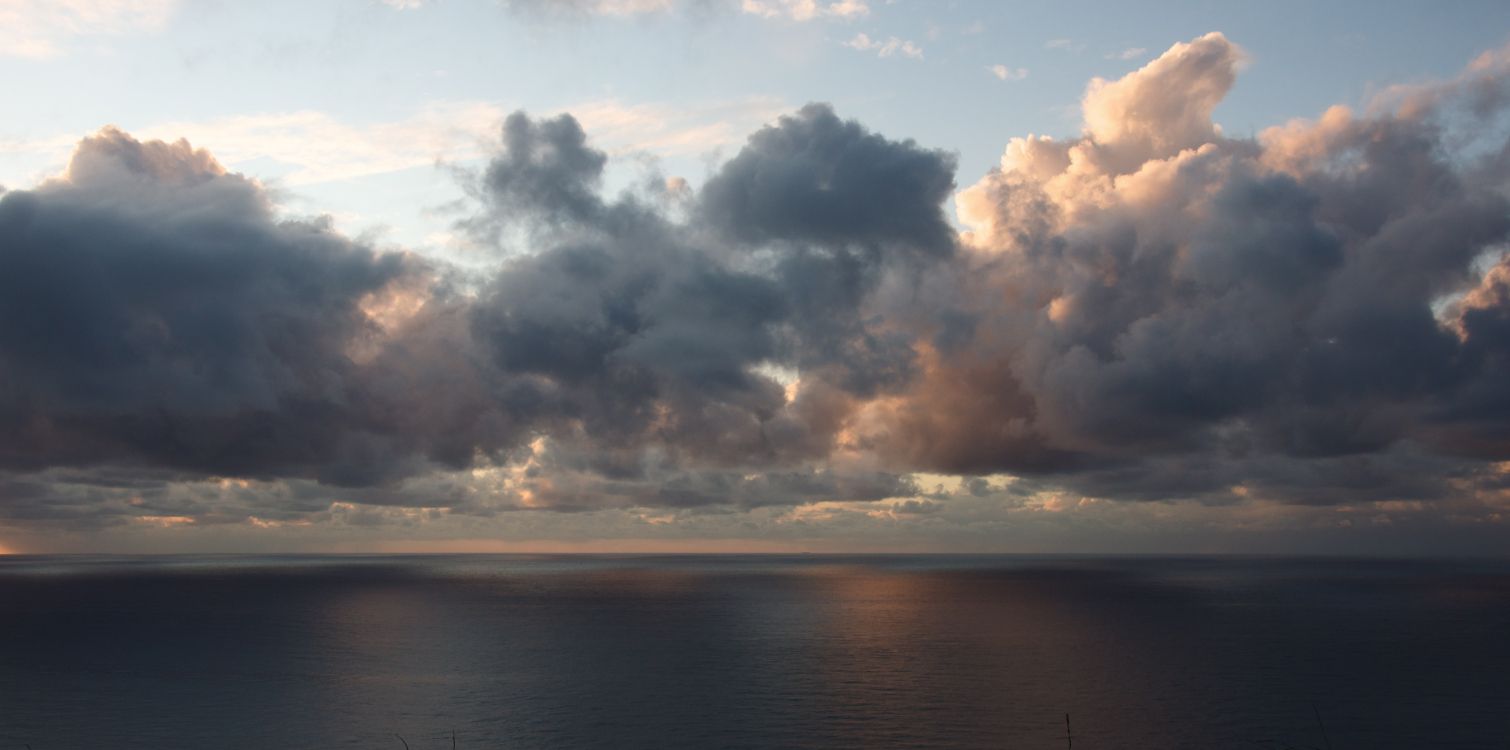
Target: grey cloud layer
{"points": [[1151, 310]]}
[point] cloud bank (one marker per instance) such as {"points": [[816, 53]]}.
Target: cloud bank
{"points": [[1149, 311], [39, 29]]}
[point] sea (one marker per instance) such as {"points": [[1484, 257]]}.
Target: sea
{"points": [[752, 651]]}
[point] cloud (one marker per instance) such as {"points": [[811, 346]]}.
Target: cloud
{"points": [[647, 334], [160, 318], [630, 7], [885, 47], [310, 147], [1164, 107], [40, 29], [814, 177], [316, 147], [1131, 53], [1066, 45], [806, 10], [1263, 307], [787, 10], [1005, 73], [581, 8], [155, 312], [1312, 321]]}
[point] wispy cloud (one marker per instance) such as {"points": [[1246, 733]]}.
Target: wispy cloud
{"points": [[38, 29], [791, 10], [1067, 45], [1008, 74], [626, 7], [1131, 53], [565, 9], [887, 47], [318, 147], [806, 10]]}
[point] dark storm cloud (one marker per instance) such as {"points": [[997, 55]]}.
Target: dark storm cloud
{"points": [[841, 208], [547, 168], [153, 310], [816, 178], [637, 330]]}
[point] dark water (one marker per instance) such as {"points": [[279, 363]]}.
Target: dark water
{"points": [[752, 651]]}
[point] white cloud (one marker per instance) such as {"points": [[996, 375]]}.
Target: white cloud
{"points": [[318, 147], [1008, 74], [806, 10], [25, 161], [885, 47], [1165, 106], [667, 130], [1067, 45], [565, 9], [1131, 53], [629, 7], [37, 28]]}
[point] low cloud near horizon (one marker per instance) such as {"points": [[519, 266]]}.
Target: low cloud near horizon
{"points": [[1152, 326]]}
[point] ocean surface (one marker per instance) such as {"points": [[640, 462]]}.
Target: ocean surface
{"points": [[752, 652]]}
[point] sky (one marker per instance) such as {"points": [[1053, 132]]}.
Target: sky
{"points": [[754, 275]]}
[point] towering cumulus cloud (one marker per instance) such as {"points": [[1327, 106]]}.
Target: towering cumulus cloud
{"points": [[1149, 310], [1280, 312]]}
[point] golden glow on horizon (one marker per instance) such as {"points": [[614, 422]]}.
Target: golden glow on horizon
{"points": [[582, 546], [164, 522], [265, 523]]}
